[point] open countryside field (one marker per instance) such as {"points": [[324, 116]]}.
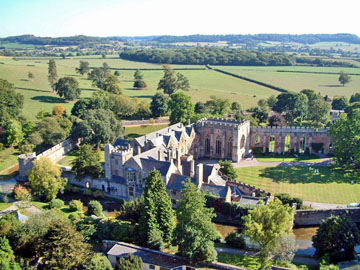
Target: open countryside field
{"points": [[38, 96], [328, 186], [326, 84]]}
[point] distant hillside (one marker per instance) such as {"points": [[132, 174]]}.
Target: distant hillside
{"points": [[304, 39], [58, 41]]}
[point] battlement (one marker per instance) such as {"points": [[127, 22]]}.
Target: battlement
{"points": [[290, 129], [221, 122]]}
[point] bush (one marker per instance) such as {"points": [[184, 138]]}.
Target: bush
{"points": [[68, 187], [235, 240], [56, 203], [76, 205], [75, 189], [22, 194], [98, 194], [123, 231], [287, 199], [95, 208], [87, 192]]}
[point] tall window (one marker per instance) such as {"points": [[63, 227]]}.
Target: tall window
{"points": [[272, 143], [131, 175], [287, 143], [257, 139], [218, 145], [131, 191], [242, 143], [207, 145], [302, 145], [229, 147]]}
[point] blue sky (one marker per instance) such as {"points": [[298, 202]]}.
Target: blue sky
{"points": [[174, 17]]}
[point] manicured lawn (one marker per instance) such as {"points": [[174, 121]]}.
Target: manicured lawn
{"points": [[8, 157], [288, 159], [66, 160], [134, 132], [331, 185], [251, 263], [4, 205], [64, 210]]}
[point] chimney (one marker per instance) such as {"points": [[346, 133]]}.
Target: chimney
{"points": [[199, 174], [159, 155], [178, 161], [192, 168]]}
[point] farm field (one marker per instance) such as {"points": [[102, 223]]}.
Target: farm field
{"points": [[38, 96], [328, 186], [326, 84], [8, 157]]}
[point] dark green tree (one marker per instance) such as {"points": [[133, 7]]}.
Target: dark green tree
{"points": [[11, 103], [180, 108], [200, 107], [80, 108], [130, 262], [355, 98], [98, 127], [138, 75], [217, 105], [98, 76], [99, 262], [172, 81], [227, 168], [195, 233], [271, 101], [95, 208], [110, 84], [157, 217], [123, 106], [337, 237], [51, 131], [340, 103], [83, 68], [68, 88], [235, 107], [344, 78], [52, 74], [261, 114], [7, 258], [87, 162], [138, 80], [159, 105], [31, 76]]}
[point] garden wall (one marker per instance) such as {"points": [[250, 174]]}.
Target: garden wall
{"points": [[314, 217]]}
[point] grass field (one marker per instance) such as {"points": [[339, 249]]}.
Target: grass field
{"points": [[326, 84], [3, 205], [38, 96], [288, 159], [8, 157], [329, 186], [65, 210]]}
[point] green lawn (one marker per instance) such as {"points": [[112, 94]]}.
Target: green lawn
{"points": [[8, 157], [69, 157], [331, 185], [134, 132], [313, 158], [3, 205], [64, 210]]}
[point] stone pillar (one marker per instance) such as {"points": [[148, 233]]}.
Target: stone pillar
{"points": [[107, 151], [265, 143], [310, 142], [279, 144]]}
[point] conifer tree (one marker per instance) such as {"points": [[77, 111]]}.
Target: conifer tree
{"points": [[157, 218], [52, 74]]}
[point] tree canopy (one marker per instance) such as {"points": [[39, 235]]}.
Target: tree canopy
{"points": [[180, 108], [87, 162], [172, 81], [11, 103], [344, 78], [68, 88], [159, 104], [52, 74], [84, 68]]}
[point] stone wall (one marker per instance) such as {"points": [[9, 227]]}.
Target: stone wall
{"points": [[247, 189], [54, 153], [314, 217]]}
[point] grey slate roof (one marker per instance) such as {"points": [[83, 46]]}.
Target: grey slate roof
{"points": [[149, 164], [121, 142], [148, 256], [176, 182], [250, 200], [219, 191]]}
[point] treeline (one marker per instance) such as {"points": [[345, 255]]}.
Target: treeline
{"points": [[304, 39], [63, 41], [212, 56], [323, 63]]}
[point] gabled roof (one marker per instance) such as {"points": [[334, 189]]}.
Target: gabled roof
{"points": [[149, 164], [219, 191], [176, 182]]}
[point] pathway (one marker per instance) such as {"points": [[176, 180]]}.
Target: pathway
{"points": [[32, 209]]}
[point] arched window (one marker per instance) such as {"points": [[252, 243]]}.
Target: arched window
{"points": [[207, 144], [287, 143], [257, 139], [302, 145], [229, 147], [218, 145], [242, 143], [272, 143]]}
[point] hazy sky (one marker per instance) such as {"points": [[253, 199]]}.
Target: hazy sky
{"points": [[174, 17]]}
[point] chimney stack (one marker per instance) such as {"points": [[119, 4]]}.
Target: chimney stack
{"points": [[192, 168], [199, 174], [159, 155], [178, 161]]}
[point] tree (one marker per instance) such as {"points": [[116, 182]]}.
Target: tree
{"points": [[285, 248], [277, 120], [99, 262], [235, 107], [98, 127], [52, 74], [31, 76], [87, 162], [110, 84], [156, 223], [271, 101], [172, 81], [227, 168], [51, 131], [195, 233], [261, 114], [7, 258], [319, 111], [200, 107], [217, 106], [22, 194], [98, 76], [345, 134], [159, 105], [337, 236], [140, 84], [68, 87], [14, 134], [266, 224], [11, 103], [340, 103], [344, 78], [80, 108], [130, 262], [123, 106], [83, 68], [355, 98], [180, 108], [59, 110], [138, 75], [8, 223], [45, 178], [95, 208], [138, 80], [143, 110]]}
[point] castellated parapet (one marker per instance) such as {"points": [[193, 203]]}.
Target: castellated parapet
{"points": [[115, 157]]}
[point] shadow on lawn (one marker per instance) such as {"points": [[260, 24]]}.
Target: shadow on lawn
{"points": [[48, 99], [295, 175], [32, 89]]}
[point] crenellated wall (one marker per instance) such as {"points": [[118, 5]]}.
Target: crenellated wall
{"points": [[314, 217]]}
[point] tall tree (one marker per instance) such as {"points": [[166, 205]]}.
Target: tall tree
{"points": [[337, 236], [52, 74], [51, 130], [195, 233], [217, 105], [99, 262], [11, 103], [110, 84], [172, 81], [180, 108], [355, 98], [80, 108], [227, 168], [344, 78], [45, 178], [98, 75], [138, 80], [266, 224], [319, 112], [84, 68], [14, 133], [7, 258], [130, 262], [68, 87], [340, 103], [159, 105], [157, 215], [87, 162]]}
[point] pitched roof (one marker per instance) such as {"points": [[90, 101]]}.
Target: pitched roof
{"points": [[219, 191], [176, 182], [149, 164]]}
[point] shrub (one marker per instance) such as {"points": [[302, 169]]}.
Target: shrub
{"points": [[123, 231], [56, 203], [98, 194], [95, 208], [235, 240], [68, 187], [76, 205], [287, 199], [75, 189], [59, 110], [22, 194], [87, 192]]}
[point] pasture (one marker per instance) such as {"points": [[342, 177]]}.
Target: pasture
{"points": [[295, 79], [38, 95], [331, 185]]}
